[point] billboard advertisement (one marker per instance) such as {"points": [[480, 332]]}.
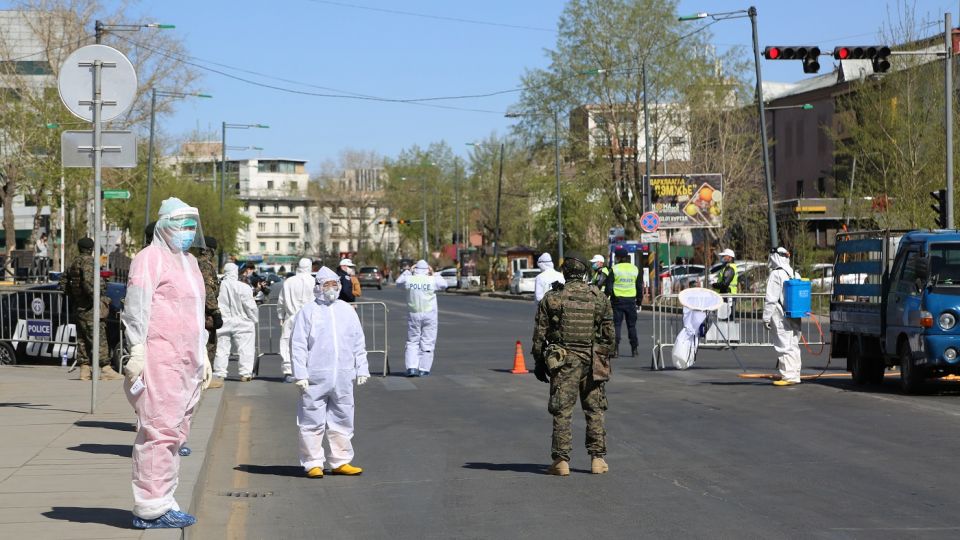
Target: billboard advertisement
{"points": [[685, 201]]}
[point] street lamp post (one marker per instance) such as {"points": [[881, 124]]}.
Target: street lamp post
{"points": [[751, 12], [556, 155], [423, 200], [153, 120]]}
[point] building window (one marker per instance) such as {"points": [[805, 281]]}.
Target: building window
{"points": [[262, 227], [822, 186], [293, 186], [335, 229], [277, 246], [306, 226], [290, 208], [263, 247], [799, 189], [269, 184], [336, 247], [293, 227], [291, 247], [246, 246], [276, 208], [260, 206], [276, 227], [306, 247]]}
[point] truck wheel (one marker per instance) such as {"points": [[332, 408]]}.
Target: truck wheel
{"points": [[911, 378], [876, 369], [8, 356], [858, 364]]}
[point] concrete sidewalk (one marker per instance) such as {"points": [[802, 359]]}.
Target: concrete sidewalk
{"points": [[65, 473]]}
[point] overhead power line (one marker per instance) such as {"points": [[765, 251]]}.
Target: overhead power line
{"points": [[434, 17]]}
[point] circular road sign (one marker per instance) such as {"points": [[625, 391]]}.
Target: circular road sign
{"points": [[650, 222], [118, 82]]}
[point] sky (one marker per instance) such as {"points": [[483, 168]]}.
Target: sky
{"points": [[369, 47]]}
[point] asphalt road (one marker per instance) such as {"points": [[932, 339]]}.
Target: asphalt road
{"points": [[693, 454]]}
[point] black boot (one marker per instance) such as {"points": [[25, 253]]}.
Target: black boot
{"points": [[616, 351], [633, 352]]}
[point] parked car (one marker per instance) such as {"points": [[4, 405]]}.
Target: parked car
{"points": [[370, 276], [524, 281], [450, 276], [682, 276]]}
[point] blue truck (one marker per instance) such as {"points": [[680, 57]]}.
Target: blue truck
{"points": [[898, 305]]}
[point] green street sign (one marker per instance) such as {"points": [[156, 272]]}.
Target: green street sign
{"points": [[116, 194]]}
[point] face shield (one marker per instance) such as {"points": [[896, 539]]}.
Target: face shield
{"points": [[179, 230]]}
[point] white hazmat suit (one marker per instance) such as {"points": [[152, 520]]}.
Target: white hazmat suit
{"points": [[546, 278], [328, 351], [297, 291], [164, 320], [785, 332], [239, 312], [422, 319]]}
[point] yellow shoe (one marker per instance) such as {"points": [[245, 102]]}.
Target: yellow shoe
{"points": [[598, 465], [85, 372], [781, 382], [107, 373], [347, 469], [559, 468], [316, 472]]}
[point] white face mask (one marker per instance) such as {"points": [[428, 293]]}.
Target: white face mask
{"points": [[330, 295], [350, 271]]}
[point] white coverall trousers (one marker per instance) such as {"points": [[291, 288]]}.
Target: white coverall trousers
{"points": [[235, 336], [285, 333], [421, 339], [786, 341], [326, 410]]}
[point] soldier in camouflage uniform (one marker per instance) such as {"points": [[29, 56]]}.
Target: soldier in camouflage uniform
{"points": [[207, 260], [77, 283], [572, 339]]}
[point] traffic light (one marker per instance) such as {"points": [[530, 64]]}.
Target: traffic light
{"points": [[403, 222], [386, 222], [879, 55], [940, 207], [807, 53]]}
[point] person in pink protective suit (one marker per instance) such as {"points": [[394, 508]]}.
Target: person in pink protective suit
{"points": [[328, 351], [164, 320]]}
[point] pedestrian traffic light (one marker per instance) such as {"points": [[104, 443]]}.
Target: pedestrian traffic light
{"points": [[879, 55], [807, 53], [940, 207]]}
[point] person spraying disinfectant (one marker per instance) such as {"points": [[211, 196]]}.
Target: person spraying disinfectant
{"points": [[785, 329]]}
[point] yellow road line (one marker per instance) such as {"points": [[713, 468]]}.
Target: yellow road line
{"points": [[237, 524]]}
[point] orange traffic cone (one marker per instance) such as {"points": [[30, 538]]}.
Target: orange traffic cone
{"points": [[518, 364]]}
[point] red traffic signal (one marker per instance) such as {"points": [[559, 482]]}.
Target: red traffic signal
{"points": [[877, 54], [807, 53]]}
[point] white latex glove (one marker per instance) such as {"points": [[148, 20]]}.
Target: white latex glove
{"points": [[134, 366], [302, 384], [768, 324], [207, 374], [362, 380]]}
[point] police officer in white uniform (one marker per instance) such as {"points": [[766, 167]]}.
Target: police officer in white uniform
{"points": [[422, 286]]}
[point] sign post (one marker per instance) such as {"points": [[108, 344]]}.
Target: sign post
{"points": [[108, 72]]}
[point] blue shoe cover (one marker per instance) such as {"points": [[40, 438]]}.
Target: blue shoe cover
{"points": [[173, 519], [412, 373], [184, 451], [424, 373]]}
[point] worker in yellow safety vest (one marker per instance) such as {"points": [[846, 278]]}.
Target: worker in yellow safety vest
{"points": [[623, 292], [729, 275]]}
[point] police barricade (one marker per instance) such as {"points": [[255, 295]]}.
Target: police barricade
{"points": [[35, 325], [373, 319], [739, 323]]}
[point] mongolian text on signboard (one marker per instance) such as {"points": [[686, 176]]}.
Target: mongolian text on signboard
{"points": [[687, 200]]}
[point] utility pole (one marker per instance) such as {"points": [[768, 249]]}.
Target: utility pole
{"points": [[948, 109], [556, 156], [771, 216], [424, 204], [496, 243]]}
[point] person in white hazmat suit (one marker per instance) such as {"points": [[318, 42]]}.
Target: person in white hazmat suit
{"points": [[164, 322], [328, 351], [422, 286], [785, 332], [546, 278], [297, 291], [239, 312]]}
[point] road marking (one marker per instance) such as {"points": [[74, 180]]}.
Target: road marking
{"points": [[237, 524]]}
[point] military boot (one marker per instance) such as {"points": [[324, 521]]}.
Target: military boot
{"points": [[633, 352], [616, 350], [559, 468], [598, 465], [107, 373], [86, 373]]}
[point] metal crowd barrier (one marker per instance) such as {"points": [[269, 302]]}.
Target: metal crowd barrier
{"points": [[40, 319], [742, 325], [373, 319]]}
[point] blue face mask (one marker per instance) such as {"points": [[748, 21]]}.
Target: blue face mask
{"points": [[184, 239]]}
